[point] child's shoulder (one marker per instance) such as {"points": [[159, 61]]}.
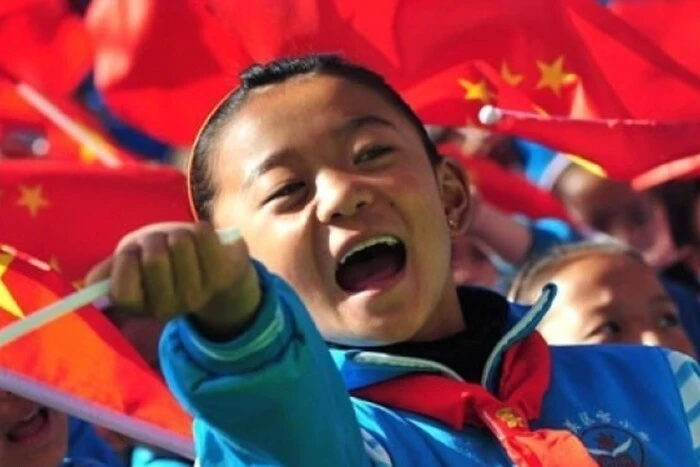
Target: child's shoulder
{"points": [[625, 372]]}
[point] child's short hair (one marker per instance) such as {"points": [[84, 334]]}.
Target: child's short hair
{"points": [[534, 274], [199, 178]]}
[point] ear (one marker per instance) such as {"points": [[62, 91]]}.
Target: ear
{"points": [[453, 183]]}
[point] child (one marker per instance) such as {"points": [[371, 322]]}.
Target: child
{"points": [[36, 436], [336, 189], [606, 293]]}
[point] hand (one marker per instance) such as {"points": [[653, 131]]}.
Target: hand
{"points": [[169, 269]]}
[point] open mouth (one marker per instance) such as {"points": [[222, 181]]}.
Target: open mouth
{"points": [[371, 263], [31, 426]]}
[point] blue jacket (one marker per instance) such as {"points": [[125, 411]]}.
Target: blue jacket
{"points": [[276, 396]]}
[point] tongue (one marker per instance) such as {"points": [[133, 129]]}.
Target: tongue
{"points": [[368, 273], [28, 429]]}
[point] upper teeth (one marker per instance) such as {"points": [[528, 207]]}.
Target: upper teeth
{"points": [[31, 415], [385, 239]]}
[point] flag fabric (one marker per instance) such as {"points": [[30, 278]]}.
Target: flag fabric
{"points": [[80, 363], [44, 44], [550, 56], [623, 149], [687, 168], [72, 216], [669, 23], [159, 64]]}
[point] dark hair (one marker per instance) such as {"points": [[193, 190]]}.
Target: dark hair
{"points": [[534, 273], [678, 198], [201, 189]]}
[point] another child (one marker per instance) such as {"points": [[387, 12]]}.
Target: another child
{"points": [[338, 191], [32, 435], [606, 293]]}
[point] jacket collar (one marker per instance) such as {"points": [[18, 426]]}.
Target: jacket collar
{"points": [[361, 368]]}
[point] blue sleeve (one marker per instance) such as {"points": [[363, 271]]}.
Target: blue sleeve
{"points": [[688, 306], [545, 234], [85, 443], [142, 456], [687, 377], [271, 396]]}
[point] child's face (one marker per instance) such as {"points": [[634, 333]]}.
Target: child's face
{"points": [[32, 436], [614, 208], [310, 169], [616, 299]]}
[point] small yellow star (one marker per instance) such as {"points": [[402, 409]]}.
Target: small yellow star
{"points": [[7, 301], [53, 262], [509, 77], [553, 76], [476, 91], [32, 199]]}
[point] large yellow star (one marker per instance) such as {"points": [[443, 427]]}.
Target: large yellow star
{"points": [[32, 199], [553, 76], [476, 91], [509, 77], [7, 301]]}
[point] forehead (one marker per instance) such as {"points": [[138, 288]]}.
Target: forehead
{"points": [[603, 271], [290, 115]]}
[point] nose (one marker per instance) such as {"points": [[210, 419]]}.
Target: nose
{"points": [[340, 195]]}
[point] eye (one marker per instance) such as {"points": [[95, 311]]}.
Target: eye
{"points": [[372, 153], [609, 328], [284, 191], [669, 320]]}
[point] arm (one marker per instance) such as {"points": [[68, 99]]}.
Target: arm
{"points": [[515, 239], [687, 376], [84, 442], [271, 395]]}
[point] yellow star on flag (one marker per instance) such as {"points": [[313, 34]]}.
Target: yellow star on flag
{"points": [[509, 77], [553, 76], [32, 199], [476, 91], [7, 301]]}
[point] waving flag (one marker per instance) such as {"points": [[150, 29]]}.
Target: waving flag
{"points": [[44, 44], [551, 56], [80, 364], [668, 23], [72, 216]]}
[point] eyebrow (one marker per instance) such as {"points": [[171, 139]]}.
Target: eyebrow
{"points": [[662, 299], [275, 159]]}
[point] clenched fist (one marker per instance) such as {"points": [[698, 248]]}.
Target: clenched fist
{"points": [[165, 270]]}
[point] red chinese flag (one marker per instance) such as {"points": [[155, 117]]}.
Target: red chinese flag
{"points": [[164, 65], [669, 23], [81, 364], [72, 216], [623, 149], [648, 82], [159, 64], [44, 44]]}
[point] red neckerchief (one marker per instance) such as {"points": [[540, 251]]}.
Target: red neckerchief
{"points": [[524, 380]]}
